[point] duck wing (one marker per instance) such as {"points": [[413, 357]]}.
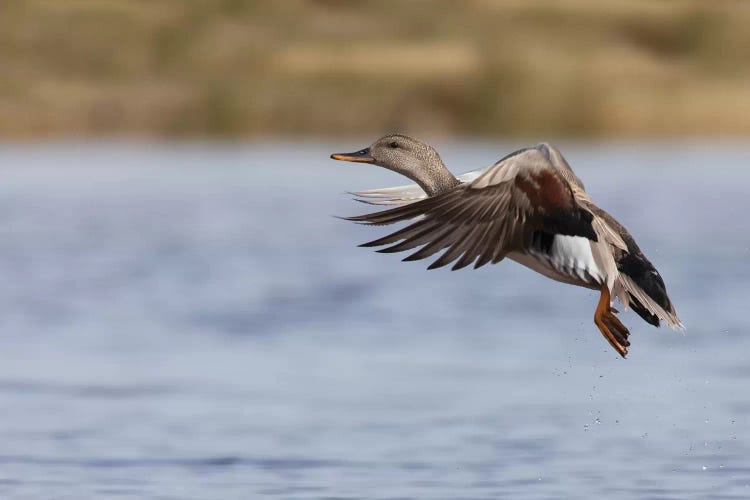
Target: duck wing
{"points": [[482, 221], [402, 195]]}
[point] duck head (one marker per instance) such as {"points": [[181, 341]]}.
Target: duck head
{"points": [[407, 156]]}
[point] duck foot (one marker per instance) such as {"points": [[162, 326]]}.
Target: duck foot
{"points": [[613, 330]]}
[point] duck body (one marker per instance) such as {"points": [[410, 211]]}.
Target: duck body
{"points": [[529, 207]]}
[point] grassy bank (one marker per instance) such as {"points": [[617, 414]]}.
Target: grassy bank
{"points": [[233, 68]]}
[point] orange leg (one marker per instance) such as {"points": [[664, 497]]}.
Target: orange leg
{"points": [[613, 330]]}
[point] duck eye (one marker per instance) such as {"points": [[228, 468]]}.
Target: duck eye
{"points": [[393, 145]]}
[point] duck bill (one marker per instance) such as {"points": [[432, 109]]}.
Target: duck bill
{"points": [[361, 156]]}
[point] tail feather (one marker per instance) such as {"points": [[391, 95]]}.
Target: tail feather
{"points": [[641, 311], [643, 304]]}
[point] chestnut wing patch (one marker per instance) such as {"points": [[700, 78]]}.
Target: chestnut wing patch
{"points": [[553, 203], [545, 190]]}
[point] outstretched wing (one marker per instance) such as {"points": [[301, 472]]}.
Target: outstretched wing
{"points": [[402, 195], [481, 221]]}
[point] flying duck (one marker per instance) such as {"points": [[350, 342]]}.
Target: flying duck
{"points": [[529, 207]]}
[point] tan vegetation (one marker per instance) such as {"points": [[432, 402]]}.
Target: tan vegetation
{"points": [[234, 68]]}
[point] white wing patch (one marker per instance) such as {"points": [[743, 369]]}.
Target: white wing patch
{"points": [[572, 256]]}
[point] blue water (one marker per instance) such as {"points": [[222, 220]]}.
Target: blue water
{"points": [[191, 322]]}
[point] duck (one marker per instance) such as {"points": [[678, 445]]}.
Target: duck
{"points": [[528, 207]]}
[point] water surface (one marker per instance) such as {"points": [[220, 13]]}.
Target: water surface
{"points": [[191, 322]]}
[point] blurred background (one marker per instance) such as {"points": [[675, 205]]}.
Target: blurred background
{"points": [[241, 69], [182, 317]]}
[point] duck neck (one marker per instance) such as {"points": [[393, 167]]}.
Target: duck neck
{"points": [[436, 179]]}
